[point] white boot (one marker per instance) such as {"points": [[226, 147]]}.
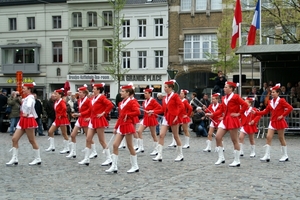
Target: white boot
{"points": [[179, 154], [134, 164], [159, 153], [252, 154], [108, 160], [66, 148], [122, 144], [267, 154], [221, 156], [154, 152], [93, 152], [208, 147], [114, 166], [37, 158], [86, 160], [141, 146], [284, 154], [187, 143], [236, 161], [135, 143], [241, 149], [14, 159], [72, 151], [173, 144], [51, 147]]}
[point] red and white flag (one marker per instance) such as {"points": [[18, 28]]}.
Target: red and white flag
{"points": [[237, 20], [254, 25]]}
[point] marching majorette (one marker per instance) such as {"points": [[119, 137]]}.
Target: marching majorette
{"points": [[249, 126], [214, 120], [124, 128], [172, 106], [83, 115], [279, 109], [101, 107], [151, 110], [185, 117], [26, 124], [61, 121], [232, 107]]}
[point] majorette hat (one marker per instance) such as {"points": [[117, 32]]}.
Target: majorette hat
{"points": [[276, 87], [59, 90], [215, 95], [250, 98], [83, 88], [129, 86], [170, 82], [184, 91], [99, 85], [233, 84], [29, 85], [148, 90]]}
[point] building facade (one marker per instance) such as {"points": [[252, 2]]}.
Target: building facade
{"points": [[34, 40]]}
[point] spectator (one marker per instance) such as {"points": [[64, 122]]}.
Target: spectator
{"points": [[255, 94], [220, 81], [264, 88], [194, 101], [283, 93], [205, 100], [50, 112], [3, 102], [288, 87], [265, 96], [15, 102], [159, 99], [199, 123], [39, 111]]}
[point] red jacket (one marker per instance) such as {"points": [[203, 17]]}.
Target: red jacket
{"points": [[235, 105], [131, 110], [215, 118], [153, 105], [60, 109], [246, 119], [102, 104], [282, 108], [174, 106], [187, 109], [85, 109]]}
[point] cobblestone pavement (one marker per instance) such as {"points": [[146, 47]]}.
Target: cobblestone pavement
{"points": [[195, 178]]}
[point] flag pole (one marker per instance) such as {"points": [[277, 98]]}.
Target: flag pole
{"points": [[240, 60]]}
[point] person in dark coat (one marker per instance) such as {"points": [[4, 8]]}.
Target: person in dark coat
{"points": [[220, 81], [39, 111], [14, 101], [199, 122], [3, 102]]}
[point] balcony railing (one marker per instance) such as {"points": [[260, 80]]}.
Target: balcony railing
{"points": [[31, 68], [91, 68]]}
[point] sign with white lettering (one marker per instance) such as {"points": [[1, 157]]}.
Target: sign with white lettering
{"points": [[143, 77], [88, 77]]}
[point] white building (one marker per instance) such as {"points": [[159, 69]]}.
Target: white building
{"points": [[34, 40], [145, 31]]}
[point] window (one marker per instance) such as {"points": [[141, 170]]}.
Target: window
{"points": [[25, 55], [77, 48], [196, 47], [201, 5], [159, 24], [247, 4], [142, 59], [107, 18], [57, 52], [92, 19], [142, 27], [126, 29], [159, 58], [58, 72], [31, 23], [12, 24], [108, 53], [126, 59], [56, 22], [93, 60], [77, 19], [216, 4], [186, 5]]}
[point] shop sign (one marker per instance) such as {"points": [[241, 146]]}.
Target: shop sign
{"points": [[25, 80], [88, 77], [143, 77]]}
